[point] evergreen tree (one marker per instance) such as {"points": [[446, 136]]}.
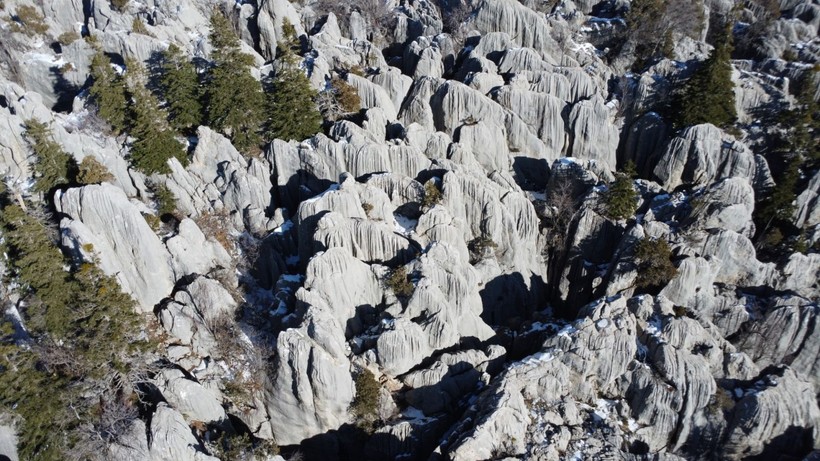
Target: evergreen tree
{"points": [[621, 199], [155, 142], [180, 87], [108, 92], [655, 267], [56, 381], [234, 98], [709, 95], [53, 166], [37, 265], [292, 109]]}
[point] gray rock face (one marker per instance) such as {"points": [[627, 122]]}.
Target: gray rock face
{"points": [[194, 401], [503, 418], [171, 438], [702, 155], [594, 136], [191, 253], [126, 246], [788, 329], [346, 286], [766, 420], [447, 300], [808, 204], [727, 204], [8, 442], [312, 387], [505, 113], [132, 445]]}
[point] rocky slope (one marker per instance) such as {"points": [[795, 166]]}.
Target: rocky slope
{"points": [[526, 333]]}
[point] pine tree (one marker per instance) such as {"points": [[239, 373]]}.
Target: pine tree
{"points": [[108, 92], [155, 142], [38, 265], [180, 87], [292, 109], [621, 199], [655, 267], [234, 98], [53, 166], [709, 96]]}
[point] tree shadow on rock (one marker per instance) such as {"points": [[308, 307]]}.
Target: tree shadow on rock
{"points": [[64, 90]]}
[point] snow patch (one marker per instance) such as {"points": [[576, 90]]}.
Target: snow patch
{"points": [[404, 225]]}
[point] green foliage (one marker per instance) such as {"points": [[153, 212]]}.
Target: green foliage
{"points": [[348, 97], [479, 247], [365, 405], [243, 447], [37, 397], [709, 95], [53, 167], [56, 385], [292, 111], [38, 266], [119, 5], [180, 88], [29, 21], [91, 171], [655, 267], [235, 101], [155, 142], [432, 194], [166, 202], [654, 25], [367, 208], [794, 156], [69, 37], [621, 199], [400, 283], [108, 92], [138, 27]]}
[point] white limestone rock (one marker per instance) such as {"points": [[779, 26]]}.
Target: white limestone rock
{"points": [[127, 248]]}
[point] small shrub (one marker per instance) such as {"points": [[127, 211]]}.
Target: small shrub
{"points": [[138, 27], [66, 68], [119, 5], [69, 37], [399, 282], [479, 246], [655, 268], [217, 225], [346, 94], [367, 208], [432, 194], [242, 447], [166, 202], [29, 21], [357, 70], [91, 171], [153, 221], [365, 405], [721, 402]]}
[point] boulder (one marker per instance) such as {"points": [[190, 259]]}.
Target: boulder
{"points": [[194, 401], [171, 438], [101, 223]]}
